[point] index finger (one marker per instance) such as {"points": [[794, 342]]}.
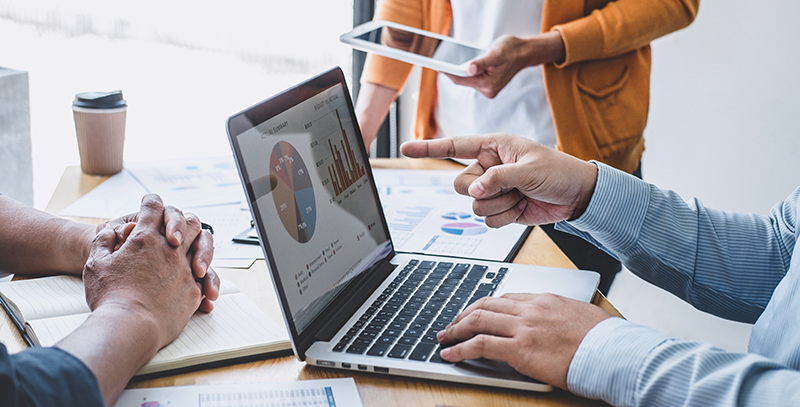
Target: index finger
{"points": [[451, 147]]}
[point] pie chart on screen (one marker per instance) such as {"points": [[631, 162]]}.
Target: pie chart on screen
{"points": [[464, 228], [293, 195]]}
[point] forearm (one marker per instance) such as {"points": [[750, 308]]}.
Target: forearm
{"points": [[698, 254], [372, 107], [34, 242], [543, 49], [623, 26], [628, 365], [114, 344]]}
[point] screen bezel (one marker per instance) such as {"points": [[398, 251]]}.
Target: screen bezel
{"points": [[361, 287], [351, 38]]}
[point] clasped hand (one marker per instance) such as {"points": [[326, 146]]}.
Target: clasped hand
{"points": [[154, 262]]}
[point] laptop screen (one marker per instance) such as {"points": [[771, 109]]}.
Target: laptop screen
{"points": [[307, 178]]}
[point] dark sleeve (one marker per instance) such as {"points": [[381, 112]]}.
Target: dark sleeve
{"points": [[46, 377]]}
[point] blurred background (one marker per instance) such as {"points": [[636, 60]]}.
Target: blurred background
{"points": [[723, 122], [183, 67]]}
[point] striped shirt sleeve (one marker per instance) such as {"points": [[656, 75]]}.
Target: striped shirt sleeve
{"points": [[724, 263], [626, 364]]}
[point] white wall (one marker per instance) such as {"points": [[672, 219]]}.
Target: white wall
{"points": [[725, 110], [724, 126]]}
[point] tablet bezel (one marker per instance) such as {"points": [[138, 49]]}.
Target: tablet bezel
{"points": [[351, 38]]}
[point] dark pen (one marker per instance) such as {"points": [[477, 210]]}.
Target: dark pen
{"points": [[206, 226]]}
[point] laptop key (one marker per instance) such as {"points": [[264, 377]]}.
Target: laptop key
{"points": [[437, 357], [407, 340], [368, 334], [429, 339], [379, 349], [380, 320], [365, 341], [439, 325], [414, 332], [398, 325], [339, 346], [400, 351], [386, 339], [374, 327], [392, 332], [461, 267], [357, 349], [422, 351], [417, 325]]}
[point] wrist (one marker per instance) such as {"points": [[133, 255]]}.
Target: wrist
{"points": [[77, 239], [549, 48], [587, 186], [141, 325]]}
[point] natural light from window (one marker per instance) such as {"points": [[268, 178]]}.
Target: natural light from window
{"points": [[183, 67]]}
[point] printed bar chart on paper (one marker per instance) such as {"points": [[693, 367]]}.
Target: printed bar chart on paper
{"points": [[309, 393]]}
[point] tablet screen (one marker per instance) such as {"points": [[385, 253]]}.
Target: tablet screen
{"points": [[434, 48]]}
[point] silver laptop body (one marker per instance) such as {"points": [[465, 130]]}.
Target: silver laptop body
{"points": [[348, 299]]}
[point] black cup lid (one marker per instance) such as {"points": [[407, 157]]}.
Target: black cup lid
{"points": [[99, 100]]}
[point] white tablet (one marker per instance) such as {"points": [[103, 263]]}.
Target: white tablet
{"points": [[412, 45]]}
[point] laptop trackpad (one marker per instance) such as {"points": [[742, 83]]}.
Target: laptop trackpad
{"points": [[575, 284], [494, 369]]}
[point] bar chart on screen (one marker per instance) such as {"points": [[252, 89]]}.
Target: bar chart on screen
{"points": [[344, 172]]}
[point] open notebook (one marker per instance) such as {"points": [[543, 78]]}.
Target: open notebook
{"points": [[48, 309]]}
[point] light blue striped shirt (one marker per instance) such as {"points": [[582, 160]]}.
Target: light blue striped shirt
{"points": [[742, 267]]}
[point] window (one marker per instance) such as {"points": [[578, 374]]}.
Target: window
{"points": [[183, 67]]}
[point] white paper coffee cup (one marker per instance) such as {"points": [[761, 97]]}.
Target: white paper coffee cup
{"points": [[100, 128]]}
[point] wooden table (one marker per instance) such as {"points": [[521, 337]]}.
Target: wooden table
{"points": [[375, 390]]}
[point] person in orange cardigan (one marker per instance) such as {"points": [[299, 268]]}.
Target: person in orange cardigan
{"points": [[570, 74]]}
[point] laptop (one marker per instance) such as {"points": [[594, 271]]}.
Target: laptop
{"points": [[349, 300]]}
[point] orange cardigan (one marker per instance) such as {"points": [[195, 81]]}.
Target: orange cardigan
{"points": [[599, 95]]}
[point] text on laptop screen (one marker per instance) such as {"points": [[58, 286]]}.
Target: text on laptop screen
{"points": [[322, 221]]}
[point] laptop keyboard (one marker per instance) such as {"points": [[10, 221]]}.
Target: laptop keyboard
{"points": [[402, 323]]}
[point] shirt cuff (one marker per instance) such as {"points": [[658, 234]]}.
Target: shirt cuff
{"points": [[607, 363], [617, 209]]}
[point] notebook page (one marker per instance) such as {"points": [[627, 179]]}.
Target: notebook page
{"points": [[47, 297], [51, 330], [235, 323]]}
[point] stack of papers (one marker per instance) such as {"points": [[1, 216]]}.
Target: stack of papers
{"points": [[207, 187]]}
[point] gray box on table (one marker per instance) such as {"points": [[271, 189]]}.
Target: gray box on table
{"points": [[16, 163]]}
